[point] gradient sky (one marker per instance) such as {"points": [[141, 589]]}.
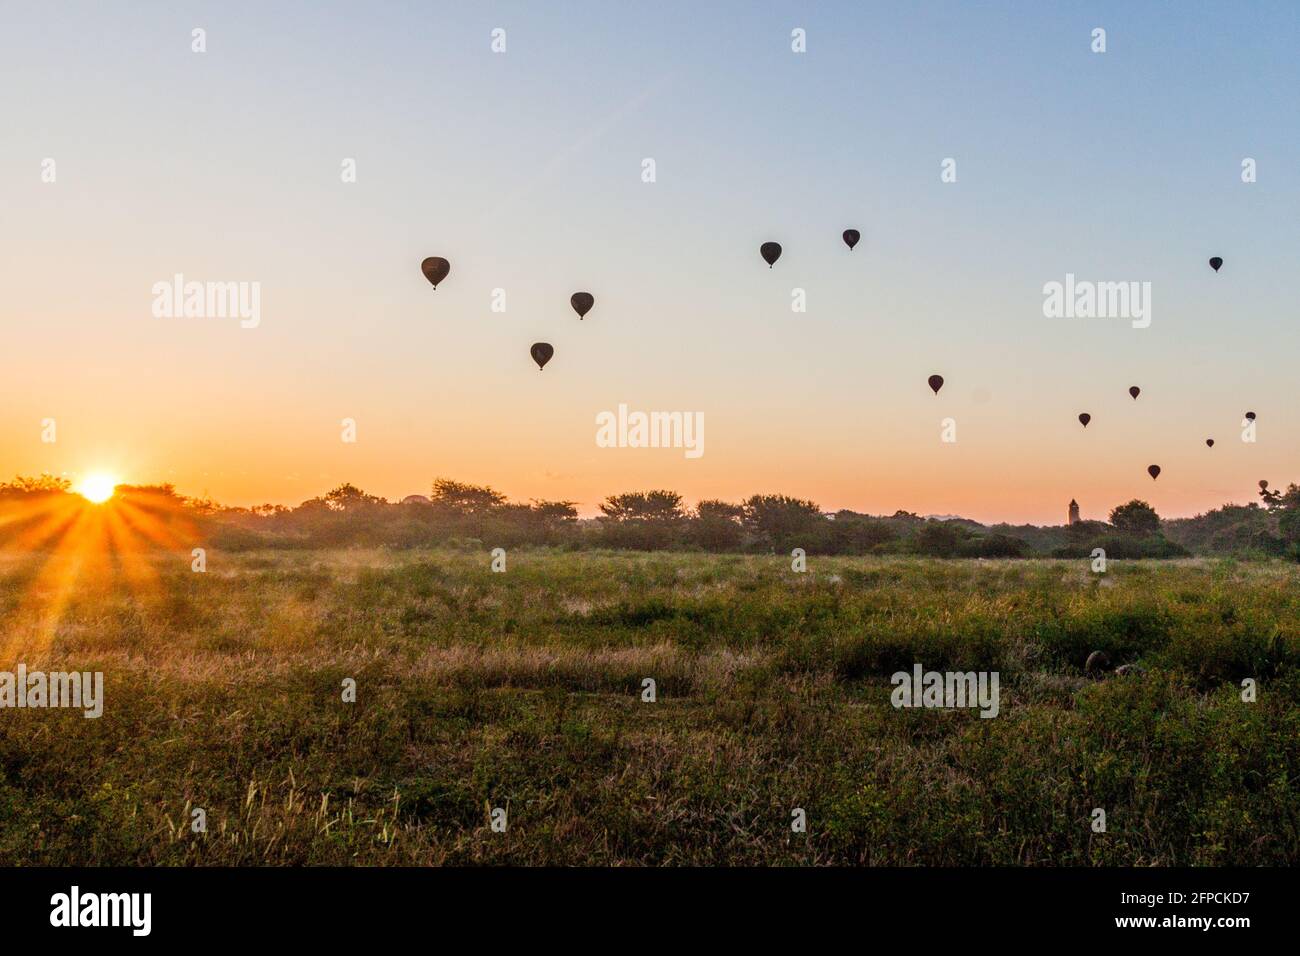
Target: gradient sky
{"points": [[524, 170]]}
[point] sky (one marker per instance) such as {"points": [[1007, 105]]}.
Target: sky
{"points": [[524, 168]]}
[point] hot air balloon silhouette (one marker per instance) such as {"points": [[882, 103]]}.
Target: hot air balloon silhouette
{"points": [[1263, 484], [936, 382], [851, 237], [541, 353], [770, 251], [1209, 443], [1153, 471], [1250, 416], [1084, 418], [1215, 262], [1134, 391], [582, 303], [435, 269]]}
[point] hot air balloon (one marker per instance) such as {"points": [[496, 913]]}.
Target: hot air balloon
{"points": [[1250, 416], [435, 269], [582, 303], [1084, 419], [1215, 262], [851, 237], [1209, 443], [770, 251], [1153, 471], [541, 353], [936, 383], [1263, 484], [1134, 391]]}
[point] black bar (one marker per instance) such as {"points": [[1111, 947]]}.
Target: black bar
{"points": [[330, 906]]}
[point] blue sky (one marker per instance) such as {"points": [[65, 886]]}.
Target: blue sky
{"points": [[523, 168]]}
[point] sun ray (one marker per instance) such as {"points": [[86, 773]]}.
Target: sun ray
{"points": [[80, 547], [142, 578], [45, 523], [145, 522], [51, 589]]}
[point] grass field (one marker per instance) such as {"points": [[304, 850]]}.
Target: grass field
{"points": [[522, 691]]}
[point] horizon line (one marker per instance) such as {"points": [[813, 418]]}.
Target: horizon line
{"points": [[686, 502]]}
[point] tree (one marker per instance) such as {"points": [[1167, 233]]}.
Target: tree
{"points": [[942, 539], [724, 510], [348, 497], [717, 525], [652, 507], [1082, 531], [783, 521], [853, 533], [555, 512], [646, 520], [45, 484], [1136, 517], [992, 546], [1288, 523], [1231, 528], [463, 499]]}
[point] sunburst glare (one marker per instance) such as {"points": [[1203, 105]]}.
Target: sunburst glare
{"points": [[97, 487]]}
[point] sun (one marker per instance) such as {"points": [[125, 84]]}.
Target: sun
{"points": [[97, 487]]}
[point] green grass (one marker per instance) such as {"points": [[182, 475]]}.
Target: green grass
{"points": [[522, 690]]}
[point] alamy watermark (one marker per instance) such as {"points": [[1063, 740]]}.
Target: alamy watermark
{"points": [[24, 689], [178, 299], [1085, 299], [130, 910], [947, 689], [624, 429]]}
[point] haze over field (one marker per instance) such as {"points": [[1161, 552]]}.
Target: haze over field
{"points": [[524, 169]]}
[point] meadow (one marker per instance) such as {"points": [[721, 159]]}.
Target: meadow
{"points": [[523, 690]]}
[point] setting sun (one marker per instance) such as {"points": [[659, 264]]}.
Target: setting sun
{"points": [[97, 487]]}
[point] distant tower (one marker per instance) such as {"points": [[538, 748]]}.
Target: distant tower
{"points": [[1074, 512]]}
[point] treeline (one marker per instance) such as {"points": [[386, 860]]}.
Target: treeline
{"points": [[473, 515], [1272, 528], [646, 520], [456, 512], [656, 520]]}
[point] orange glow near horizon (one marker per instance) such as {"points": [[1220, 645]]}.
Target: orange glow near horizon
{"points": [[88, 546], [97, 487]]}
